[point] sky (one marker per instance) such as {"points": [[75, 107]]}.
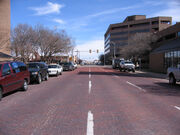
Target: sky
{"points": [[86, 21]]}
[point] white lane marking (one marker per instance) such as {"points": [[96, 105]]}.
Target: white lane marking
{"points": [[115, 75], [135, 86], [90, 124], [177, 107], [90, 85], [89, 76]]}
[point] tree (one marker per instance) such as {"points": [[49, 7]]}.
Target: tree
{"points": [[101, 58], [22, 38], [139, 45], [27, 41]]}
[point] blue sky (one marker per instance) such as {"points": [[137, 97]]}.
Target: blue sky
{"points": [[87, 20]]}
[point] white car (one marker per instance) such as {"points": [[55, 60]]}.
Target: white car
{"points": [[127, 66], [55, 69], [173, 74]]}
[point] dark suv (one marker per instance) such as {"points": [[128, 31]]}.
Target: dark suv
{"points": [[67, 66], [13, 75], [38, 71]]}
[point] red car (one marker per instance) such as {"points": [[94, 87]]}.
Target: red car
{"points": [[13, 75]]}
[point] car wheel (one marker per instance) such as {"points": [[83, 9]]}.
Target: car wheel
{"points": [[47, 77], [1, 93], [39, 79], [60, 73], [172, 80], [25, 85], [133, 70]]}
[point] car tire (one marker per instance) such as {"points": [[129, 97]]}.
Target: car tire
{"points": [[39, 79], [1, 93], [47, 77], [133, 70], [172, 79], [25, 85]]}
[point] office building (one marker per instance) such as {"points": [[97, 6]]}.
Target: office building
{"points": [[118, 35], [167, 52]]}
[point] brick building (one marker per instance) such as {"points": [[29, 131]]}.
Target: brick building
{"points": [[117, 35], [167, 52], [5, 29]]}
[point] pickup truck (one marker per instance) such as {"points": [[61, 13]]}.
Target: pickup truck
{"points": [[173, 74], [127, 66]]}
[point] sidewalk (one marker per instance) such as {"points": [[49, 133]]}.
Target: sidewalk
{"points": [[152, 74]]}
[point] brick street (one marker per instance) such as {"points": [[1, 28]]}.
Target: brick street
{"points": [[93, 101]]}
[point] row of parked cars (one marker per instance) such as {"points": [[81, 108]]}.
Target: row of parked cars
{"points": [[17, 75]]}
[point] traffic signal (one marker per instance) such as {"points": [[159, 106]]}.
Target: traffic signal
{"points": [[90, 51], [97, 51]]}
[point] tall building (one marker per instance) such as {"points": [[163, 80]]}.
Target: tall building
{"points": [[117, 35], [5, 27], [167, 51]]}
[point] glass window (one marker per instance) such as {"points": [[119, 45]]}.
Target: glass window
{"points": [[22, 66], [15, 68], [6, 69], [178, 34]]}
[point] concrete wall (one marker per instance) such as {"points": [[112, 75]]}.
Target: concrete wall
{"points": [[156, 62], [5, 26]]}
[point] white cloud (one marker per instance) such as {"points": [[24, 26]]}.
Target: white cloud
{"points": [[60, 21], [48, 9], [111, 11], [173, 9], [94, 45]]}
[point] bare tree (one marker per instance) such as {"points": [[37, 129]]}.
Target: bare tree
{"points": [[139, 45], [27, 41], [22, 41]]}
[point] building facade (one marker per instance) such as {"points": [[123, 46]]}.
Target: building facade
{"points": [[118, 35], [167, 52], [5, 27]]}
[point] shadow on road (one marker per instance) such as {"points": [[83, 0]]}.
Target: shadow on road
{"points": [[162, 89], [118, 73]]}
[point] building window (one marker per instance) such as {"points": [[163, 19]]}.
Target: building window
{"points": [[178, 34]]}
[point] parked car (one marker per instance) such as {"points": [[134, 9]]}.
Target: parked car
{"points": [[173, 74], [127, 66], [55, 69], [116, 62], [75, 65], [38, 71], [13, 75], [68, 66]]}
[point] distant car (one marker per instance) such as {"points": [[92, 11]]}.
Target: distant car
{"points": [[68, 66], [13, 75], [173, 74], [38, 71], [127, 66], [55, 69]]}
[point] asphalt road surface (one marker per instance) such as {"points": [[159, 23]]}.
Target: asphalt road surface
{"points": [[93, 101]]}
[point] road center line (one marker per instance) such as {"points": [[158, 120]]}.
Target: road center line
{"points": [[90, 124], [90, 85], [89, 75], [135, 86], [177, 107]]}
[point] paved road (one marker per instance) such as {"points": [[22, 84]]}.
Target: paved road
{"points": [[93, 101]]}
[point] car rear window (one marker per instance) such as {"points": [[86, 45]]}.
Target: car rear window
{"points": [[127, 62], [52, 66], [32, 65]]}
